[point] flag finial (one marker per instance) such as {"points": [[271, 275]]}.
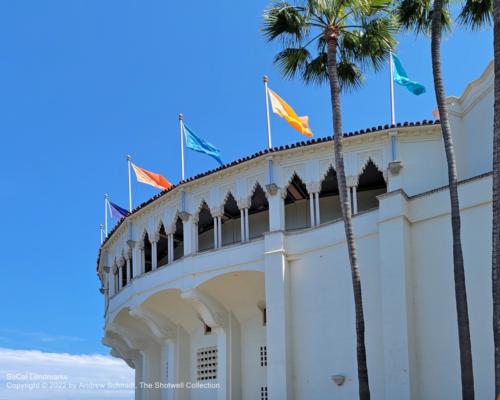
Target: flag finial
{"points": [[129, 157], [105, 196], [181, 117], [265, 79]]}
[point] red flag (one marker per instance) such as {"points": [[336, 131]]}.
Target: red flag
{"points": [[151, 178]]}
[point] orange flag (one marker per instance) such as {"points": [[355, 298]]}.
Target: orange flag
{"points": [[282, 108], [150, 178]]}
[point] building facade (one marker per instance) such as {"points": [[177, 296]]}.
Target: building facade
{"points": [[236, 284]]}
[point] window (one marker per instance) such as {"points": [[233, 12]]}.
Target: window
{"points": [[263, 356], [206, 363], [263, 393]]}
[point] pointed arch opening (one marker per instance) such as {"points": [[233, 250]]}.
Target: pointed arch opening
{"points": [[297, 214], [205, 228], [329, 200], [178, 239], [371, 183], [162, 248], [123, 267], [258, 213], [231, 222], [115, 278], [148, 265]]}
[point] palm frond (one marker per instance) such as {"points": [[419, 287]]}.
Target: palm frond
{"points": [[415, 15], [476, 13], [285, 21], [377, 41], [292, 61], [316, 71], [350, 76]]}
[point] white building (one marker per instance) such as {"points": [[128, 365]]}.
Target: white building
{"points": [[239, 280]]}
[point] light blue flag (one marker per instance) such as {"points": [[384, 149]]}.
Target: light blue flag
{"points": [[194, 142], [401, 78]]}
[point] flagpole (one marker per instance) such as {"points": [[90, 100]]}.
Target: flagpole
{"points": [[129, 162], [269, 141], [181, 128], [391, 68], [393, 114], [106, 214]]}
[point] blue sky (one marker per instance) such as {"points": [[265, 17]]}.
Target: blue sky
{"points": [[83, 83]]}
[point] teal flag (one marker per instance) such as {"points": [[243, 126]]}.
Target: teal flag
{"points": [[196, 143], [401, 77]]}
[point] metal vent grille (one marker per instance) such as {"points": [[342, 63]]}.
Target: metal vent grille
{"points": [[263, 393], [206, 361], [263, 356]]}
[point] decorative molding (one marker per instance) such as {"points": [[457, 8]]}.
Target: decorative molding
{"points": [[243, 203], [184, 215], [212, 313], [272, 189], [313, 187], [352, 180], [395, 167]]}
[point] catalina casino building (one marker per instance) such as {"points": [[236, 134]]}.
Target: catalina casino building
{"points": [[235, 284]]}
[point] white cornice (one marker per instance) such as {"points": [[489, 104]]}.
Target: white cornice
{"points": [[473, 93]]}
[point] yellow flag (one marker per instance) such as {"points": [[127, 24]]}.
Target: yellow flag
{"points": [[281, 108]]}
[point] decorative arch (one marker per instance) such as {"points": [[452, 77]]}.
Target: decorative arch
{"points": [[205, 227], [326, 169], [289, 172], [162, 247], [329, 202], [258, 212], [371, 183], [230, 221], [364, 157], [297, 210], [147, 253], [177, 246]]}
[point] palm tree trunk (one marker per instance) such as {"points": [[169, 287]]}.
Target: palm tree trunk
{"points": [[495, 262], [458, 259], [364, 388]]}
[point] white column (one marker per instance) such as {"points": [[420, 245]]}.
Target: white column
{"points": [[312, 214], [242, 224], [143, 374], [352, 182], [120, 276], [143, 260], [216, 234], [170, 239], [316, 201], [276, 208], [395, 264], [111, 283], [137, 258], [219, 230], [276, 281], [189, 235], [165, 369], [354, 200], [247, 226], [129, 268], [154, 255]]}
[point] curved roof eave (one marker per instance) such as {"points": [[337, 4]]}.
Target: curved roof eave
{"points": [[257, 155]]}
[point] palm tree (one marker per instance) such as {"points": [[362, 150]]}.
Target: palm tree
{"points": [[334, 41], [424, 16], [495, 259]]}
